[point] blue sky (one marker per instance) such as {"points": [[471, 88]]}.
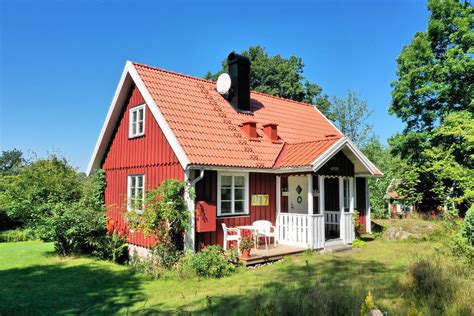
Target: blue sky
{"points": [[61, 60]]}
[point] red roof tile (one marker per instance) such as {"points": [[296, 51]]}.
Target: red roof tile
{"points": [[207, 126], [304, 153]]}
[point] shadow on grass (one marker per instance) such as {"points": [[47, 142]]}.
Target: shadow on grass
{"points": [[63, 289], [333, 287]]}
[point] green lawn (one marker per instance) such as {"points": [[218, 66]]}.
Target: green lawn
{"points": [[34, 280]]}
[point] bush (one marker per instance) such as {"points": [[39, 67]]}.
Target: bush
{"points": [[17, 235], [112, 247], [461, 244], [146, 266], [166, 255], [430, 283], [212, 262]]}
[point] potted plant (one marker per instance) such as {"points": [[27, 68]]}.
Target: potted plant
{"points": [[246, 245]]}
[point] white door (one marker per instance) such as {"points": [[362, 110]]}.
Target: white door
{"points": [[298, 194]]}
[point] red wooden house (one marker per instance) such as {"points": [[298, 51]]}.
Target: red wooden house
{"points": [[249, 155]]}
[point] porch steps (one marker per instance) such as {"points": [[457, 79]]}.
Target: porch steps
{"points": [[336, 248]]}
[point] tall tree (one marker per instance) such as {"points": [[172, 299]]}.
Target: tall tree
{"points": [[11, 161], [350, 115], [280, 76], [435, 78]]}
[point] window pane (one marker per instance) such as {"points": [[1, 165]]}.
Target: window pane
{"points": [[140, 128], [140, 182], [239, 181], [239, 207], [133, 192], [132, 182], [239, 194], [134, 129], [226, 181], [226, 194], [226, 207], [132, 203], [134, 116], [140, 115]]}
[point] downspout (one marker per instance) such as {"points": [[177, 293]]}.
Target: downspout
{"points": [[199, 178]]}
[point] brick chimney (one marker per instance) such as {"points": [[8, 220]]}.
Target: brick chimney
{"points": [[250, 129]]}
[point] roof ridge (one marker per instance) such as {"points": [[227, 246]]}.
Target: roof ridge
{"points": [[173, 72], [316, 140], [213, 82]]}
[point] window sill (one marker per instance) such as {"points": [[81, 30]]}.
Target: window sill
{"points": [[233, 215], [136, 136]]}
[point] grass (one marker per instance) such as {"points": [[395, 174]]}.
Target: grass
{"points": [[33, 280]]}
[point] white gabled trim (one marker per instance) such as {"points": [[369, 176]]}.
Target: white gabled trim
{"points": [[129, 76], [106, 128], [160, 119], [339, 145]]}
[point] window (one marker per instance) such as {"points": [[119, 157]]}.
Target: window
{"points": [[136, 193], [232, 194], [346, 195], [137, 121]]}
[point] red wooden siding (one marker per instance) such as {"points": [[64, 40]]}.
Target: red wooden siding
{"points": [[259, 183], [150, 155]]}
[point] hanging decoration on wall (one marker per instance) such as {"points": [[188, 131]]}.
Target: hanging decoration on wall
{"points": [[299, 199]]}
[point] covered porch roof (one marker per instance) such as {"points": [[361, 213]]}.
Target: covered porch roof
{"points": [[312, 156]]}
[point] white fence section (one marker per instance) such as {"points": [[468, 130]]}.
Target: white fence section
{"points": [[349, 229], [301, 230]]}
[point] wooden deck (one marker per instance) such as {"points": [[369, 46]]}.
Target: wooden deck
{"points": [[273, 253]]}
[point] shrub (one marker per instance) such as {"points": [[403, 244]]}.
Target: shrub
{"points": [[113, 247], [184, 266], [212, 262], [166, 255], [358, 243], [146, 266], [368, 304], [461, 244], [78, 229], [17, 235], [467, 230], [431, 284]]}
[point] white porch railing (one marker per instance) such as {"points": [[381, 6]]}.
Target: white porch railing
{"points": [[301, 230], [333, 222], [349, 229]]}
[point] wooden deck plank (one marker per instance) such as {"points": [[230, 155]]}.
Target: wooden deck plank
{"points": [[261, 255]]}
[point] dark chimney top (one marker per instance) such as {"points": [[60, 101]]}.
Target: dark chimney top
{"points": [[239, 72]]}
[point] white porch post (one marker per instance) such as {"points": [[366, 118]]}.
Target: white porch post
{"points": [[310, 194], [342, 223], [278, 195], [321, 194], [367, 218], [310, 210]]}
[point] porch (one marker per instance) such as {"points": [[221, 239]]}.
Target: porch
{"points": [[274, 253]]}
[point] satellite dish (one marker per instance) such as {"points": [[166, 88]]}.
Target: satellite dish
{"points": [[223, 84]]}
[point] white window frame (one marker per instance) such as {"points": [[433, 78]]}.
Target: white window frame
{"points": [[246, 193], [131, 124], [129, 192]]}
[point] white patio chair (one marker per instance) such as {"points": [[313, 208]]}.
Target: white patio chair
{"points": [[228, 237], [265, 230]]}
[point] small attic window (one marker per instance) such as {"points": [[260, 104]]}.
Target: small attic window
{"points": [[137, 121]]}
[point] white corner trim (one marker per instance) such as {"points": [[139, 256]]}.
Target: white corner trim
{"points": [[160, 119], [130, 75]]}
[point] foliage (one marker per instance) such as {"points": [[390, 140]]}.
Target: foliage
{"points": [[19, 234], [77, 229], [39, 189], [112, 247], [166, 255], [461, 242], [246, 243], [368, 304], [212, 262], [280, 76], [146, 266], [431, 283], [165, 214], [358, 243], [350, 115], [435, 75], [11, 162]]}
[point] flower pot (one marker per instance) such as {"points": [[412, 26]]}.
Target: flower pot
{"points": [[246, 253]]}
